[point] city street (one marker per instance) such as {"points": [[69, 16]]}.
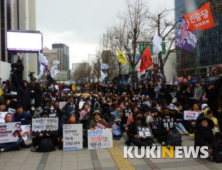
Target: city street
{"points": [[99, 159]]}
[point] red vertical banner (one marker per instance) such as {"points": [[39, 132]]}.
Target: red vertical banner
{"points": [[146, 60]]}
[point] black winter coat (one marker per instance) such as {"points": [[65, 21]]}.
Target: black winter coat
{"points": [[23, 96], [38, 96], [205, 136]]}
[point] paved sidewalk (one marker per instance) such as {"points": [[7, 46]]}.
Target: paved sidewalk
{"points": [[102, 159]]}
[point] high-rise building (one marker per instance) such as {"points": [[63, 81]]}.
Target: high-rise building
{"points": [[209, 51], [17, 15], [53, 54], [65, 57]]}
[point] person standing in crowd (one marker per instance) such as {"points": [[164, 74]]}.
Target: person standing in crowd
{"points": [[17, 72], [198, 92], [24, 96]]}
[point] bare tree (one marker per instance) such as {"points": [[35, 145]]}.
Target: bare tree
{"points": [[135, 21], [82, 73], [166, 30]]}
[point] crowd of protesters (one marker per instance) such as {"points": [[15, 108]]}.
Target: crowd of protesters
{"points": [[123, 107]]}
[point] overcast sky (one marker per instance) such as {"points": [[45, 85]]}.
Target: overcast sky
{"points": [[80, 24]]}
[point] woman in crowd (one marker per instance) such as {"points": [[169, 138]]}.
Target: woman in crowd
{"points": [[134, 137]]}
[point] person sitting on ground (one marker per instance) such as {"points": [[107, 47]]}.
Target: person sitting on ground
{"points": [[37, 139], [73, 119], [5, 147], [204, 135], [162, 132], [3, 106], [22, 116], [154, 117], [96, 116], [139, 121]]}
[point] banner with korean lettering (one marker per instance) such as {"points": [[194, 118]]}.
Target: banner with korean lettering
{"points": [[100, 138], [168, 123], [190, 115], [26, 132], [72, 136], [101, 125], [45, 125], [200, 19], [144, 131], [10, 132]]}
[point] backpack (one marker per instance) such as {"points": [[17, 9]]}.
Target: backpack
{"points": [[174, 138], [217, 154], [46, 145]]}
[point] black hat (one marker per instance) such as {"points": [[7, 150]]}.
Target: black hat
{"points": [[19, 61], [153, 110]]}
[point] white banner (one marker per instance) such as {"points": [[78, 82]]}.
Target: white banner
{"points": [[190, 115], [103, 76], [100, 138], [81, 103], [2, 117], [104, 66], [9, 132], [72, 135], [44, 124]]}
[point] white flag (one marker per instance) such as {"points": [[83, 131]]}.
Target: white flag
{"points": [[41, 71], [103, 76], [157, 41], [140, 74], [43, 59], [129, 80]]}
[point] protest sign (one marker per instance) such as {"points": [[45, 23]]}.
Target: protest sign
{"points": [[9, 132], [100, 138], [154, 125], [44, 126], [144, 131], [2, 117], [72, 135], [168, 123], [26, 130], [101, 125], [81, 103], [190, 115], [61, 105]]}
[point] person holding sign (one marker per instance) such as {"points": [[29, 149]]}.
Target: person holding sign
{"points": [[164, 127], [153, 121], [5, 147], [138, 132], [44, 143], [73, 119], [97, 115]]}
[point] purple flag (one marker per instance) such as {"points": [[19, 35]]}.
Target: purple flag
{"points": [[186, 40], [46, 69]]}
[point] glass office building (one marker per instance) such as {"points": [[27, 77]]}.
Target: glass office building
{"points": [[209, 51]]}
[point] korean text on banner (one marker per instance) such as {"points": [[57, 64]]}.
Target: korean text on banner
{"points": [[144, 131], [72, 135], [101, 125], [200, 19], [44, 126], [190, 115], [9, 132], [100, 138]]}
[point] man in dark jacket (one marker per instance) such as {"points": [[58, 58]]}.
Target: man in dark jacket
{"points": [[204, 135], [24, 97], [212, 99], [17, 72], [21, 116]]}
